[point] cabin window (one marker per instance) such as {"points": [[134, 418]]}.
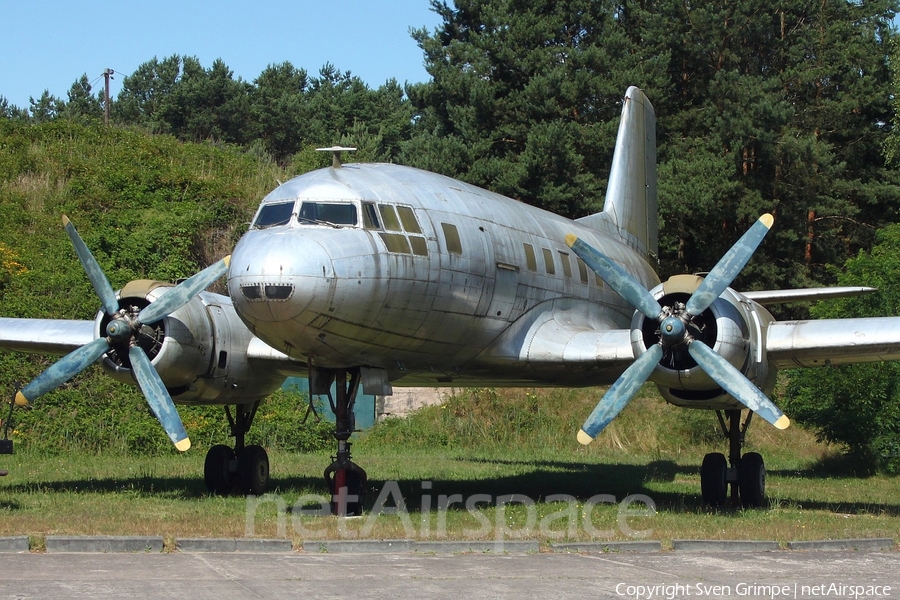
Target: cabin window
{"points": [[327, 213], [271, 215], [370, 216], [408, 218], [582, 270], [566, 263], [451, 238], [548, 261], [530, 259], [389, 217]]}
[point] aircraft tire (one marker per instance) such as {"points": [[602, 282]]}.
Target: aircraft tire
{"points": [[752, 481], [253, 470], [713, 483], [353, 481], [215, 470]]}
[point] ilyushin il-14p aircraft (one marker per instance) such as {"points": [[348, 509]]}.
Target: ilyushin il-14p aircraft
{"points": [[369, 276]]}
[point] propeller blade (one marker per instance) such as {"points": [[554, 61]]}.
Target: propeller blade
{"points": [[728, 267], [182, 293], [63, 370], [620, 393], [734, 382], [617, 278], [158, 398], [92, 268]]}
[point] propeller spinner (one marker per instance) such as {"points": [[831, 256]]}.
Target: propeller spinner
{"points": [[674, 330], [122, 333]]}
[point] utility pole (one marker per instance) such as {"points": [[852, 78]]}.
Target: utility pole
{"points": [[107, 75]]}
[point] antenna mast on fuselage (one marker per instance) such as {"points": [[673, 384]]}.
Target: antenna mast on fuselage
{"points": [[336, 154]]}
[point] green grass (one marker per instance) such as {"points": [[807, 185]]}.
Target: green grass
{"points": [[481, 442]]}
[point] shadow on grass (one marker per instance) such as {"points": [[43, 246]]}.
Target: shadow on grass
{"points": [[173, 488], [835, 464], [544, 478]]}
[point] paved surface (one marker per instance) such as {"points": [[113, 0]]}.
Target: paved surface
{"points": [[668, 575]]}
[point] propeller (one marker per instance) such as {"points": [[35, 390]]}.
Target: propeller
{"points": [[674, 325], [123, 333]]}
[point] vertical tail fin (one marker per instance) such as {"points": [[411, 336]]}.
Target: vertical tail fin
{"points": [[631, 205]]}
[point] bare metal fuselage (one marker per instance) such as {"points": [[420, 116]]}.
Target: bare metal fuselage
{"points": [[433, 301]]}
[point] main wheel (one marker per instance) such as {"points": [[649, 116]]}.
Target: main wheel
{"points": [[216, 473], [713, 483], [253, 470], [752, 480]]}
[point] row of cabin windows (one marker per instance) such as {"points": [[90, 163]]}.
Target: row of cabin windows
{"points": [[550, 264], [400, 231]]}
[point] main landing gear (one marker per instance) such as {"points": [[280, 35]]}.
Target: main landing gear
{"points": [[345, 479], [747, 474], [243, 468]]}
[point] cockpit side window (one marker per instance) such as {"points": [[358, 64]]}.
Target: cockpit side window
{"points": [[370, 216], [328, 213], [408, 218], [271, 215], [389, 217]]}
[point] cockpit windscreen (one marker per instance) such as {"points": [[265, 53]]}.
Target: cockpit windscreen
{"points": [[328, 213], [274, 214]]}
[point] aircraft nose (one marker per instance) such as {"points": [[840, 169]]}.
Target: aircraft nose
{"points": [[274, 276]]}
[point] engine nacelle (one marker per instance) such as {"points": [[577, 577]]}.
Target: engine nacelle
{"points": [[733, 326], [199, 350]]}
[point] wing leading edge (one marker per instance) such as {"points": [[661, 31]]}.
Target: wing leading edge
{"points": [[44, 336], [824, 342]]}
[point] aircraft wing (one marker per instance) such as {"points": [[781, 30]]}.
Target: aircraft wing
{"points": [[44, 336], [822, 342]]}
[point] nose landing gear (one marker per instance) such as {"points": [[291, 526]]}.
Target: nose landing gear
{"points": [[345, 479]]}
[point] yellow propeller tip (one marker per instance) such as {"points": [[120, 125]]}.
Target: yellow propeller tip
{"points": [[21, 400], [571, 239], [227, 260], [767, 220], [783, 422], [66, 221], [583, 438], [183, 445]]}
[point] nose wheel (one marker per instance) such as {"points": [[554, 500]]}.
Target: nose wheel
{"points": [[747, 473], [345, 479]]}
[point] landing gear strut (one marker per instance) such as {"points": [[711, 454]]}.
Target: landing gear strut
{"points": [[747, 474], [345, 479], [243, 468]]}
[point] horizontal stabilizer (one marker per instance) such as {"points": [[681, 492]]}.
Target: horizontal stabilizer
{"points": [[768, 297]]}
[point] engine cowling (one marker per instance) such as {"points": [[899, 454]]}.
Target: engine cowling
{"points": [[199, 350], [732, 326]]}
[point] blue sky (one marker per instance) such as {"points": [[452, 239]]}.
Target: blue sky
{"points": [[48, 44]]}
